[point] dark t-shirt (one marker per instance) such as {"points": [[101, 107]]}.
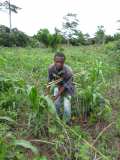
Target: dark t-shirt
{"points": [[67, 75]]}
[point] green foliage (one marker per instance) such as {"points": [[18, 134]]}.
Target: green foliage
{"points": [[118, 125], [79, 39], [34, 43], [92, 85], [33, 95], [117, 36], [5, 39], [109, 38], [44, 36], [7, 148], [118, 45], [40, 158], [11, 93], [55, 41], [48, 39], [3, 150], [7, 119], [26, 144], [42, 110], [22, 82], [70, 34], [13, 38], [84, 153], [100, 35], [36, 101], [10, 150], [18, 38]]}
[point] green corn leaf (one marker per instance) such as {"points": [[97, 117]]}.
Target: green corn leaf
{"points": [[51, 106], [4, 118], [33, 96], [26, 144]]}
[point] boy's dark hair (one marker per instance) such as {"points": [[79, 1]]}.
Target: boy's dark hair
{"points": [[59, 54]]}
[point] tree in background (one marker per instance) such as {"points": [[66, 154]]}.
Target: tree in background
{"points": [[44, 36], [48, 39], [87, 39], [6, 5], [56, 39], [19, 38], [78, 39], [109, 38], [13, 38], [117, 36], [100, 35], [4, 36], [70, 26]]}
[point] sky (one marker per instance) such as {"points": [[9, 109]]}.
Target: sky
{"points": [[36, 14]]}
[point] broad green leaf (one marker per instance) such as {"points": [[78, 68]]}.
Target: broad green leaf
{"points": [[2, 61], [26, 144], [51, 106], [7, 119], [32, 93]]}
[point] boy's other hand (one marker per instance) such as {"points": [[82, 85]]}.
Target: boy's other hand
{"points": [[61, 90]]}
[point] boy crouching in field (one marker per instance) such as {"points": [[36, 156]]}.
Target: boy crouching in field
{"points": [[64, 89]]}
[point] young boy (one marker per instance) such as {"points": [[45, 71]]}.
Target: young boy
{"points": [[64, 90]]}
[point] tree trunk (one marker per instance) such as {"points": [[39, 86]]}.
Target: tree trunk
{"points": [[10, 21], [68, 42]]}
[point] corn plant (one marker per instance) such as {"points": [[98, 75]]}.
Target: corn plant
{"points": [[91, 98], [42, 109], [11, 93]]}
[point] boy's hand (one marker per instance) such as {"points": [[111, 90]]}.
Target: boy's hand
{"points": [[54, 98], [61, 90]]}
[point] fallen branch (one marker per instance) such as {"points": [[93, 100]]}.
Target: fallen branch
{"points": [[84, 140], [100, 134]]}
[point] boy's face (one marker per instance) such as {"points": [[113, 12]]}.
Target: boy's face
{"points": [[59, 62]]}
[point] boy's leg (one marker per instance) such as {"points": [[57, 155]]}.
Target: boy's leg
{"points": [[58, 101], [67, 108], [58, 105]]}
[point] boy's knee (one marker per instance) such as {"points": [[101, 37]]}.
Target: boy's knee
{"points": [[67, 104]]}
